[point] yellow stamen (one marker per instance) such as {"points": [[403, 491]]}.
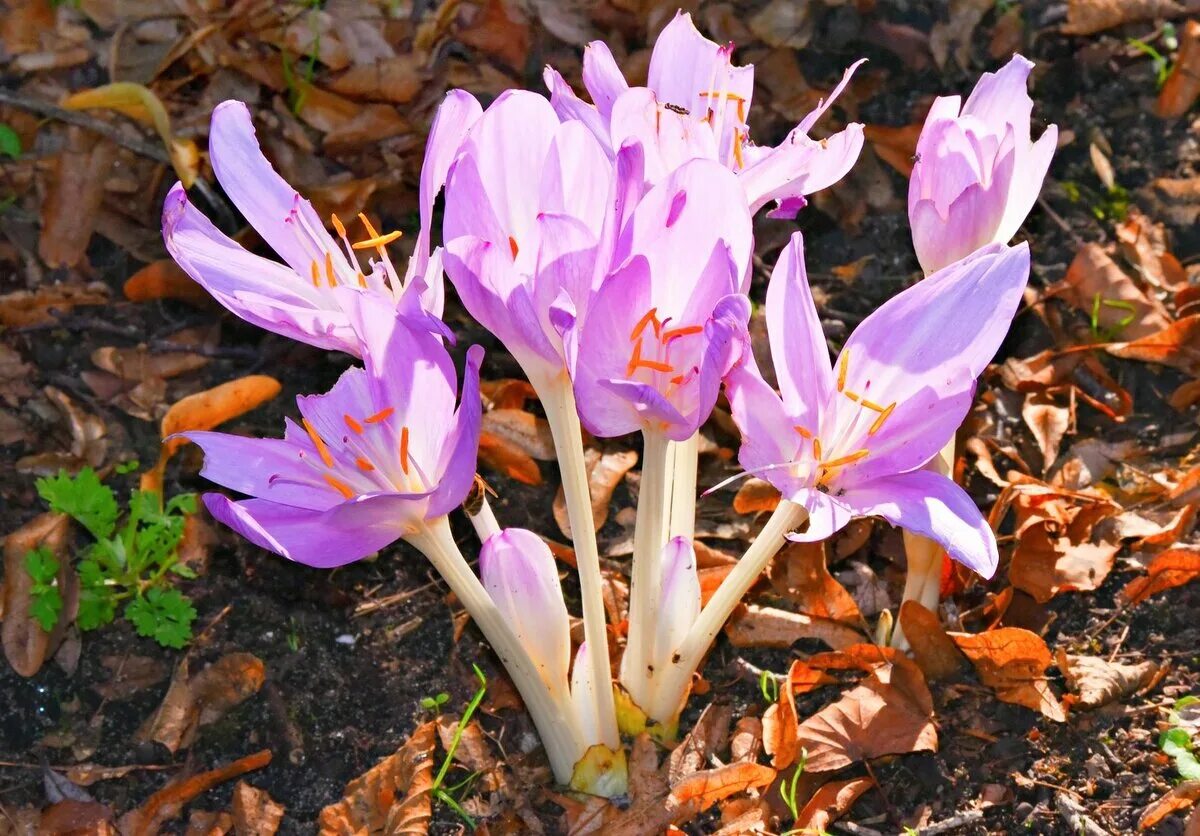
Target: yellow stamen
{"points": [[381, 415], [404, 450], [872, 405], [816, 448], [371, 231], [339, 486], [352, 424], [844, 368], [852, 396], [733, 97], [337, 225], [883, 416], [316, 274], [686, 331], [377, 241], [363, 464], [318, 442], [329, 270], [850, 459], [634, 359], [737, 150]]}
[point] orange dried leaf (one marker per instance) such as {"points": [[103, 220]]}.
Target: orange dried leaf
{"points": [[1182, 86], [213, 407], [757, 626], [800, 572], [1013, 662], [605, 472], [779, 729], [392, 797], [1172, 568], [1178, 798], [830, 803], [1086, 17], [1177, 345], [26, 644], [505, 457], [254, 811], [167, 803], [703, 789], [23, 308], [934, 651], [1094, 274], [755, 495], [164, 279]]}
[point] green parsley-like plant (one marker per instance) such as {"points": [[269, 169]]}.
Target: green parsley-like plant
{"points": [[132, 566]]}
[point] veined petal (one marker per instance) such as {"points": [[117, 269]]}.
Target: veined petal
{"points": [[690, 71], [1027, 183], [286, 221], [798, 347], [645, 406], [570, 107], [1002, 98], [456, 467], [520, 575], [933, 506], [800, 166], [267, 468], [679, 599], [727, 344], [669, 139], [923, 350], [602, 77], [576, 178], [342, 534], [769, 444], [827, 515]]}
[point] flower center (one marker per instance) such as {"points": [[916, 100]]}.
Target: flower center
{"points": [[367, 447], [659, 346]]}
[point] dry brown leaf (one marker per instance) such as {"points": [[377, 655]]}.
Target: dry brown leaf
{"points": [[1170, 569], [1177, 345], [830, 803], [1144, 243], [1099, 682], [756, 626], [507, 393], [192, 702], [1086, 17], [208, 823], [895, 146], [392, 797], [933, 650], [86, 774], [1012, 662], [800, 572], [525, 430], [140, 362], [889, 713], [700, 791], [505, 457], [803, 677], [954, 34], [25, 308], [746, 741], [73, 198], [498, 29], [1176, 201], [1093, 273], [26, 644], [164, 279], [1180, 797], [1182, 86], [605, 471], [473, 752], [167, 803], [1048, 422], [255, 813], [129, 676], [783, 23], [706, 738], [72, 817], [1045, 564], [755, 495], [397, 79], [779, 725]]}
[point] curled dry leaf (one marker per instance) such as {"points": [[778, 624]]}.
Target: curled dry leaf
{"points": [[800, 572], [830, 803], [192, 702], [1099, 682], [1086, 17], [706, 738], [255, 813], [889, 713], [397, 79], [755, 495], [895, 146], [1172, 568], [700, 791], [933, 650], [1049, 422], [1179, 798], [74, 196], [779, 729], [746, 740], [605, 471], [473, 752], [140, 363], [1045, 564], [392, 797], [71, 816], [507, 458], [1124, 309], [1013, 662], [1144, 244], [756, 626], [1182, 86], [498, 29], [26, 644], [1177, 345], [164, 279], [167, 803], [525, 430], [26, 308]]}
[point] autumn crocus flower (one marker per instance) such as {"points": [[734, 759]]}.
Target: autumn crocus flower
{"points": [[696, 104], [977, 172], [850, 438], [299, 297]]}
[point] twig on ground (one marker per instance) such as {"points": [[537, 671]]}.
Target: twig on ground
{"points": [[946, 825], [1076, 817]]}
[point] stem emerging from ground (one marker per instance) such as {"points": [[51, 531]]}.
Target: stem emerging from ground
{"points": [[650, 535], [552, 713], [558, 399], [675, 682], [923, 582]]}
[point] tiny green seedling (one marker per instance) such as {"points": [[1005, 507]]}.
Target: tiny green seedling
{"points": [[787, 789], [435, 703], [1108, 334], [1176, 742], [135, 565], [768, 685], [445, 794], [1162, 66]]}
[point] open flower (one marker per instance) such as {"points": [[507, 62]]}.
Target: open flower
{"points": [[670, 321], [849, 439], [371, 461], [977, 171], [298, 298], [696, 104]]}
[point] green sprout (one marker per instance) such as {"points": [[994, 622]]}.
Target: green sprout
{"points": [[1162, 66], [446, 794], [435, 703], [768, 686], [1176, 742], [1103, 334], [787, 789]]}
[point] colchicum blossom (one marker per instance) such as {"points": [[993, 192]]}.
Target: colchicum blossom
{"points": [[849, 439], [299, 298], [373, 460], [696, 104], [977, 171]]}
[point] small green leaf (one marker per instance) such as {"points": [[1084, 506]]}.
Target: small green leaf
{"points": [[163, 615], [42, 565], [128, 467], [83, 498], [96, 608], [10, 143], [46, 607]]}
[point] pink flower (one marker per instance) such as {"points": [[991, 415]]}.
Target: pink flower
{"points": [[977, 172]]}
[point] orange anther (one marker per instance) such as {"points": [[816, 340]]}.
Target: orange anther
{"points": [[816, 448], [318, 442], [648, 318], [852, 396], [337, 225], [362, 280], [329, 270], [352, 424], [654, 366], [883, 416], [686, 331], [803, 432], [404, 450], [363, 464], [679, 379], [634, 359], [872, 405], [381, 415], [377, 241], [844, 368], [512, 246], [371, 231], [339, 486], [850, 459], [316, 274]]}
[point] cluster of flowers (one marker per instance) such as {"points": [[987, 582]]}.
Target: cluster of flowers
{"points": [[609, 247]]}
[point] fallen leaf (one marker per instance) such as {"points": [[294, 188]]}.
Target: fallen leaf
{"points": [[1177, 345], [933, 650], [1086, 17], [505, 457], [473, 752], [1008, 33], [1167, 570], [71, 816], [1176, 201], [895, 146], [73, 199], [783, 23], [498, 29], [890, 712], [528, 432], [164, 279], [706, 738], [167, 803], [129, 675], [193, 702], [255, 813], [1144, 244], [1048, 422], [755, 495], [801, 573], [1095, 284], [1013, 662], [1045, 564], [86, 774], [397, 79], [830, 803], [756, 626], [392, 797], [746, 741], [507, 393], [1099, 682], [209, 823], [604, 471], [26, 308], [26, 644], [954, 34], [140, 363], [779, 729], [700, 791], [1180, 797]]}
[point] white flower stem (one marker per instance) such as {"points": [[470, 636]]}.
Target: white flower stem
{"points": [[650, 534], [672, 688], [683, 487], [923, 582], [552, 714], [558, 399], [484, 520]]}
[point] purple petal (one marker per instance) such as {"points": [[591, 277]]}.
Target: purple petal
{"points": [[267, 468], [570, 107], [644, 406], [461, 445], [768, 440], [1002, 98], [669, 139], [800, 166], [1027, 183], [678, 600], [933, 506], [827, 515], [576, 177], [685, 67], [808, 121], [602, 77]]}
